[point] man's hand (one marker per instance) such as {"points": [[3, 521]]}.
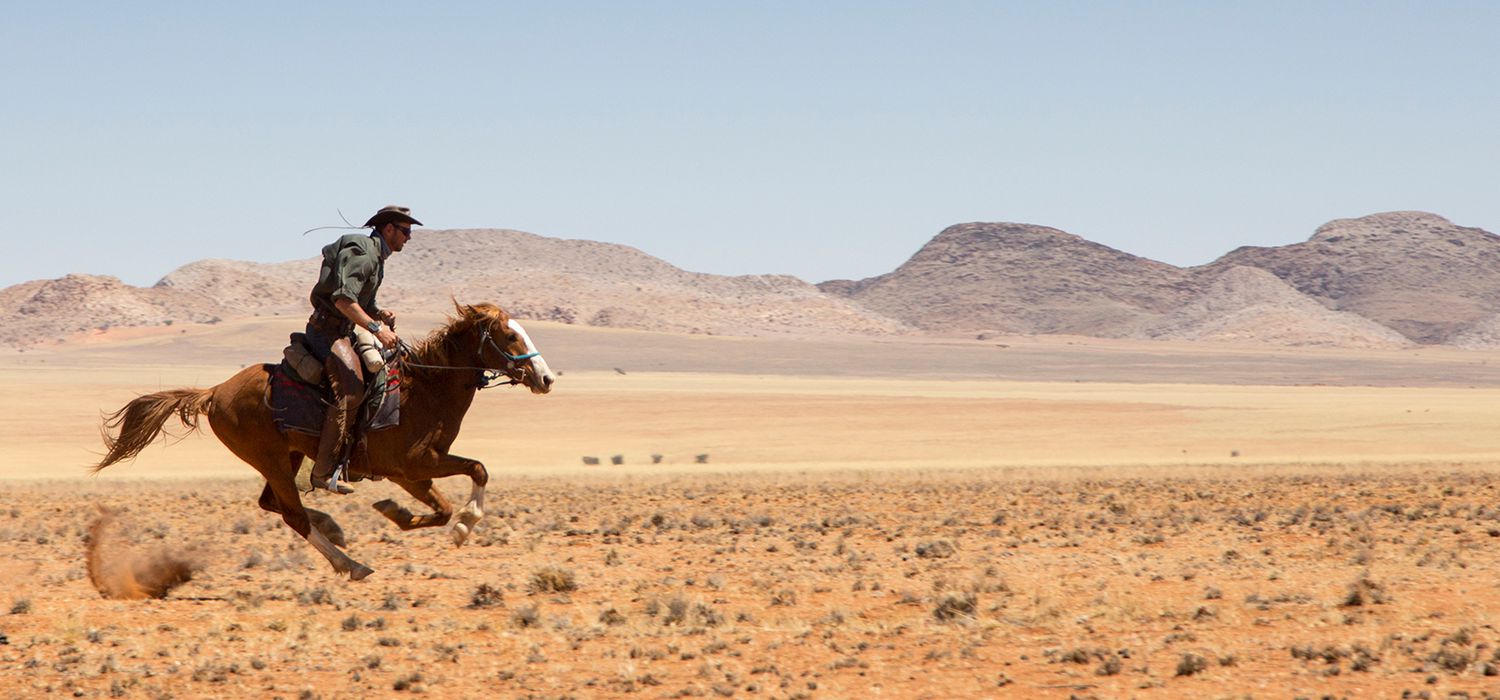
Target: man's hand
{"points": [[387, 337], [353, 312]]}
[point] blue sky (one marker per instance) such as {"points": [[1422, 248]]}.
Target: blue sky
{"points": [[824, 139]]}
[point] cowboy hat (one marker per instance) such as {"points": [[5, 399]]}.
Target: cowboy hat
{"points": [[392, 213]]}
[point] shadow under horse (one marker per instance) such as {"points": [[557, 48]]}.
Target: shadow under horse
{"points": [[440, 377]]}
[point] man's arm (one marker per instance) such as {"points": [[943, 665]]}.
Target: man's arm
{"points": [[355, 269], [353, 312]]}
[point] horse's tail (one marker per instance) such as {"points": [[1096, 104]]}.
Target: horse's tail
{"points": [[141, 420]]}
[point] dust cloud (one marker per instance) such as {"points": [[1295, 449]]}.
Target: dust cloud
{"points": [[121, 572]]}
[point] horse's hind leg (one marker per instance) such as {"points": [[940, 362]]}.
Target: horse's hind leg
{"points": [[296, 517], [321, 521]]}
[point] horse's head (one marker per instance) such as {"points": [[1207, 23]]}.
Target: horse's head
{"points": [[504, 346]]}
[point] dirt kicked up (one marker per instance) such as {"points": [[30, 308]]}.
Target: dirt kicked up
{"points": [[121, 572], [1219, 582]]}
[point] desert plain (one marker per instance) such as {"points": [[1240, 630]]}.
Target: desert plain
{"points": [[1027, 517]]}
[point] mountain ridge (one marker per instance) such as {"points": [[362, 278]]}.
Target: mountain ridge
{"points": [[1383, 280]]}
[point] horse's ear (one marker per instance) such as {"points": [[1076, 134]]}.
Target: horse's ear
{"points": [[464, 310]]}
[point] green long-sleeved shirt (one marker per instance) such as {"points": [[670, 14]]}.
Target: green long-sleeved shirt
{"points": [[353, 268]]}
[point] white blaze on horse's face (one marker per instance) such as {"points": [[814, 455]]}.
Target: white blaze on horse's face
{"points": [[541, 378]]}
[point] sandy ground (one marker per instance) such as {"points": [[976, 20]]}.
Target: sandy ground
{"points": [[1015, 517]]}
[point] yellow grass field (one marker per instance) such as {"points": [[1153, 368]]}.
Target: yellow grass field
{"points": [[790, 423]]}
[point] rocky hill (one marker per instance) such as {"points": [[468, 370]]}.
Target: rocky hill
{"points": [[1415, 272], [605, 284], [573, 281], [1245, 304], [1378, 281], [1020, 278], [249, 288], [1373, 281], [1017, 278], [44, 311]]}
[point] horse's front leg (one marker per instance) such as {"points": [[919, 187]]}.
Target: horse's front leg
{"points": [[473, 511], [418, 482], [424, 491]]}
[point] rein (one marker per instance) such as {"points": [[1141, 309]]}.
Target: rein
{"points": [[489, 377]]}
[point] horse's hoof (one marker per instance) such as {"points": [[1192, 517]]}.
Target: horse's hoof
{"points": [[460, 534], [359, 572], [387, 507]]}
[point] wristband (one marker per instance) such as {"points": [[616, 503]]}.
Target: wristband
{"points": [[374, 326]]}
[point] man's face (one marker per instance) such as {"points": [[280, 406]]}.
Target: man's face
{"points": [[396, 236]]}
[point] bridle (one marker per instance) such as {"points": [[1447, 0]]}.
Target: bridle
{"points": [[494, 375], [489, 377]]}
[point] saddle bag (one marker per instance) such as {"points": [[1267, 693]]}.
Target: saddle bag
{"points": [[301, 361]]}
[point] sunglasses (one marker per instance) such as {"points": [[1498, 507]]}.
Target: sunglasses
{"points": [[405, 230]]}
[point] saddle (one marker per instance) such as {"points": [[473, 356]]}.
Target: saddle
{"points": [[300, 395]]}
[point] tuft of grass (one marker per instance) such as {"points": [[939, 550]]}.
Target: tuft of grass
{"points": [[21, 606], [1191, 664], [937, 549], [1364, 591], [1109, 665], [486, 596], [551, 579], [412, 683], [527, 616], [611, 617], [690, 614], [315, 596], [954, 605]]}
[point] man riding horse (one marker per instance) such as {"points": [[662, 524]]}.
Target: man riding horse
{"points": [[439, 378], [353, 268]]}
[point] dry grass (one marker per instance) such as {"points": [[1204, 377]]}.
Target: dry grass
{"points": [[950, 584]]}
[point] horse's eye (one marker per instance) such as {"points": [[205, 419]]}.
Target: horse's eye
{"points": [[510, 338]]}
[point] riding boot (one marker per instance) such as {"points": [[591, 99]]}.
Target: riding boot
{"points": [[347, 383], [330, 439]]}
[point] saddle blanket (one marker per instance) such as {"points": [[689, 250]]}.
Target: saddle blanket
{"points": [[299, 406]]}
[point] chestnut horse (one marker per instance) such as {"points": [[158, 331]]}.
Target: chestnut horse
{"points": [[440, 376]]}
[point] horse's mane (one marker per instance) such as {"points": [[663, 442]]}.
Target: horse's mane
{"points": [[439, 346]]}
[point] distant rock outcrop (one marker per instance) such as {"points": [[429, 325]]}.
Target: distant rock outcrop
{"points": [[1245, 304], [47, 310], [1482, 335], [1415, 272], [255, 288], [536, 277], [1376, 281], [605, 284], [1397, 277], [1021, 278]]}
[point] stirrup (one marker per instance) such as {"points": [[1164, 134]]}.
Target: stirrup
{"points": [[332, 482]]}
